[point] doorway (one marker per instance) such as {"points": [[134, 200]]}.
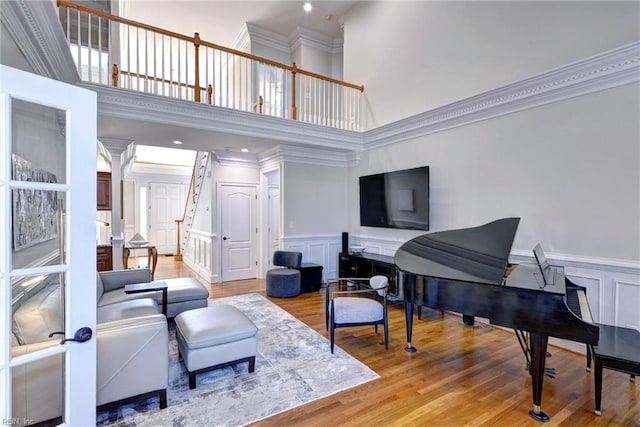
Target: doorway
{"points": [[238, 231]]}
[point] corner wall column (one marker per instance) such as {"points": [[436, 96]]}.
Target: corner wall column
{"points": [[116, 147]]}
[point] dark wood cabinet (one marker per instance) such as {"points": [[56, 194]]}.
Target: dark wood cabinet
{"points": [[104, 191], [104, 258], [366, 265]]}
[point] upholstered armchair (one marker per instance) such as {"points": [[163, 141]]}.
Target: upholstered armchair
{"points": [[353, 305], [284, 282]]}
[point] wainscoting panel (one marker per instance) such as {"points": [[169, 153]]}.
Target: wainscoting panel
{"points": [[627, 303], [201, 255], [322, 249]]}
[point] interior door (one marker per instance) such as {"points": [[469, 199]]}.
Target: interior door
{"points": [[47, 229], [238, 205], [166, 203]]}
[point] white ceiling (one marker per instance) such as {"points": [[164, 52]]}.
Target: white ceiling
{"points": [[221, 21]]}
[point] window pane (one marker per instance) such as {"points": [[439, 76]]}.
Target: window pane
{"points": [[38, 142], [37, 389], [37, 228]]}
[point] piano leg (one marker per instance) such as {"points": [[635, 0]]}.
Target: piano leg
{"points": [[469, 320], [538, 343], [408, 312]]}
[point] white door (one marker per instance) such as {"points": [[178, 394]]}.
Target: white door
{"points": [[166, 204], [274, 222], [47, 224], [239, 232]]}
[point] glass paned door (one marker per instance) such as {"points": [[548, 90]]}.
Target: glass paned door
{"points": [[47, 260]]}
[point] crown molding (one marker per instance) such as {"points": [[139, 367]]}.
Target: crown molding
{"points": [[236, 160], [607, 70], [305, 37], [307, 155], [254, 34], [116, 102], [35, 28]]}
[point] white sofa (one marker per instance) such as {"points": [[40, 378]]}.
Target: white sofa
{"points": [[132, 355]]}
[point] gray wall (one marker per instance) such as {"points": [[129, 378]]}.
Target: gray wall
{"points": [[314, 199], [416, 56], [570, 170]]}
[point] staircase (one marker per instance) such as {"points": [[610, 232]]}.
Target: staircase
{"points": [[193, 195]]}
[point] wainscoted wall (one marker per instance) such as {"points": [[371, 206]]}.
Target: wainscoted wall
{"points": [[200, 255], [613, 287]]}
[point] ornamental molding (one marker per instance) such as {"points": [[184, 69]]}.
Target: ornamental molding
{"points": [[607, 70], [251, 33], [307, 155], [35, 28], [309, 38], [121, 103]]}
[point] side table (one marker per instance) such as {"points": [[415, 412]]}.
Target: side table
{"points": [[152, 256], [137, 288]]}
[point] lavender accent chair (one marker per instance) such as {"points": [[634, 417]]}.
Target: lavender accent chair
{"points": [[357, 307], [284, 282]]}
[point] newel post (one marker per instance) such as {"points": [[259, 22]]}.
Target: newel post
{"points": [[114, 74], [196, 43], [294, 110]]}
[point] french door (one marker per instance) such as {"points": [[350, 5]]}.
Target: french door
{"points": [[47, 233]]}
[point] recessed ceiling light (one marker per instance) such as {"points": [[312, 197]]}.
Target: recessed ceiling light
{"points": [[245, 150], [307, 7], [177, 142]]}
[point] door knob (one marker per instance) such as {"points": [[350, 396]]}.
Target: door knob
{"points": [[224, 238], [83, 334]]}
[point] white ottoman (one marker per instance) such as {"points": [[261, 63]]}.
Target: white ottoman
{"points": [[214, 337]]}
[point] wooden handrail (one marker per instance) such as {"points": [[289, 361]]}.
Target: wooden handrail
{"points": [[158, 79], [63, 3]]}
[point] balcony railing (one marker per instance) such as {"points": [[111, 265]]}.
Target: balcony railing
{"points": [[115, 51]]}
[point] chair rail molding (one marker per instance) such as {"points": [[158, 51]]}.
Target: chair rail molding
{"points": [[606, 70]]}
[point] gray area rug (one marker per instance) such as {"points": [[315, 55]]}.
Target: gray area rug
{"points": [[294, 366]]}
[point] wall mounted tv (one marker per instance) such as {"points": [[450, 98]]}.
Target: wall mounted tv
{"points": [[398, 199]]}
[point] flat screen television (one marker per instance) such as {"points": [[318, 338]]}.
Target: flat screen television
{"points": [[398, 199]]}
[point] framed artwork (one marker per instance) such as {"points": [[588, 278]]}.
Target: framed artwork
{"points": [[35, 212]]}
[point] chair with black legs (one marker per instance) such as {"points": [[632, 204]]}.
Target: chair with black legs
{"points": [[356, 305]]}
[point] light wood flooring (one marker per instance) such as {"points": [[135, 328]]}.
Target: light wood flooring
{"points": [[458, 377]]}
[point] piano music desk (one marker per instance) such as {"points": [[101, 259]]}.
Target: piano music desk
{"points": [[618, 349]]}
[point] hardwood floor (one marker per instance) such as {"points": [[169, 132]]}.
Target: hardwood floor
{"points": [[459, 376]]}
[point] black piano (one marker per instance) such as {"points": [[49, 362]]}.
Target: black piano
{"points": [[464, 271]]}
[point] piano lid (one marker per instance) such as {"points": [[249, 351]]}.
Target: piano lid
{"points": [[477, 254]]}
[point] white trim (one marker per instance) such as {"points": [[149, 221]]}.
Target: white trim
{"points": [[35, 28], [251, 33], [305, 37], [122, 103], [606, 70]]}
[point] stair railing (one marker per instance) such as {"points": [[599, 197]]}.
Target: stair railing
{"points": [[153, 60], [191, 203]]}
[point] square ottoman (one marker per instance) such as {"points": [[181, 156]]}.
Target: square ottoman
{"points": [[215, 337]]}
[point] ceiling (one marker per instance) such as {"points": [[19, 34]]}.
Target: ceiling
{"points": [[219, 22]]}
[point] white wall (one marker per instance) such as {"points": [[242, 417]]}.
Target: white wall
{"points": [[415, 56], [314, 199], [570, 170]]}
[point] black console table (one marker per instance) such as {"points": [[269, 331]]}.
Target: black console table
{"points": [[366, 265]]}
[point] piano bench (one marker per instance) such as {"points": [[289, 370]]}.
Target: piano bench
{"points": [[618, 349]]}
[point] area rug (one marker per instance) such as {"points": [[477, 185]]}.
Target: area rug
{"points": [[294, 366]]}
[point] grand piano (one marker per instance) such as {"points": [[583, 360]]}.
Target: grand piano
{"points": [[464, 271]]}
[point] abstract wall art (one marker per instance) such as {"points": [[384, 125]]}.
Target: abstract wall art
{"points": [[35, 212]]}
